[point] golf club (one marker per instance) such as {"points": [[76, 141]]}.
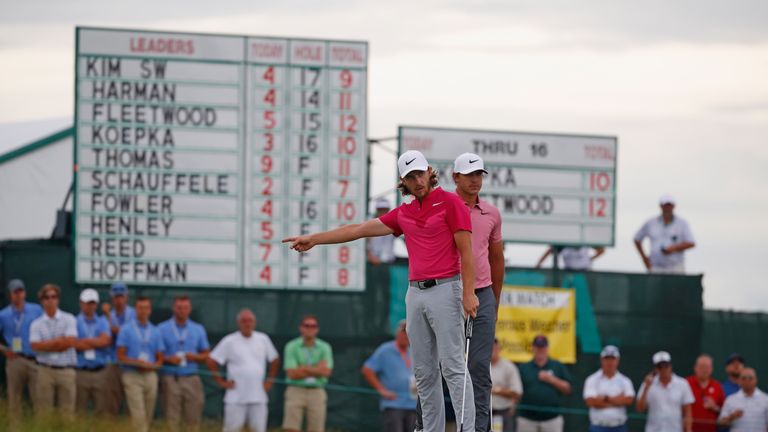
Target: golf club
{"points": [[468, 334]]}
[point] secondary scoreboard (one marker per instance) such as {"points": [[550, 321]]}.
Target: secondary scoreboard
{"points": [[549, 188], [196, 154]]}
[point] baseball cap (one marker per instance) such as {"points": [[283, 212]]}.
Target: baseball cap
{"points": [[468, 163], [118, 288], [733, 357], [666, 199], [89, 295], [662, 357], [15, 285], [540, 341], [610, 351], [382, 203], [412, 160]]}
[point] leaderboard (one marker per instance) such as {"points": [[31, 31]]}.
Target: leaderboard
{"points": [[549, 188], [196, 154]]}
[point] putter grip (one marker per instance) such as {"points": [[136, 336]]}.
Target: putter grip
{"points": [[470, 322]]}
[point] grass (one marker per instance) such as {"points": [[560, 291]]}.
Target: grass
{"points": [[84, 423], [31, 422]]}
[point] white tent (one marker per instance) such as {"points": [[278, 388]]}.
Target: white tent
{"points": [[34, 180]]}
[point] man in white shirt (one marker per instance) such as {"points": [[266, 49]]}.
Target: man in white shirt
{"points": [[53, 336], [607, 393], [670, 237], [506, 391], [245, 353], [667, 397], [747, 409]]}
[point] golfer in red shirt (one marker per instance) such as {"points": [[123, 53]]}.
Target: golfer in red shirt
{"points": [[441, 273]]}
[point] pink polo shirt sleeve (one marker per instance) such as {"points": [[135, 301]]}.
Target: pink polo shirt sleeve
{"points": [[390, 220]]}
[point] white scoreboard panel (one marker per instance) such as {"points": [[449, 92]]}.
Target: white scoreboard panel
{"points": [[196, 154], [552, 189]]}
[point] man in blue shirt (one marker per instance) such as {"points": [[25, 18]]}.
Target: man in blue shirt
{"points": [[734, 364], [94, 339], [20, 359], [117, 313], [186, 344], [140, 353], [390, 371]]}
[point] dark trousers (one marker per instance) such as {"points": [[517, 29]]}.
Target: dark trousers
{"points": [[479, 360], [398, 420]]}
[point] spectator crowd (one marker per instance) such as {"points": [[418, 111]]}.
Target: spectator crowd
{"points": [[118, 361]]}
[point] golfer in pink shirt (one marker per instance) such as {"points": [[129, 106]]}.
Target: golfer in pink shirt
{"points": [[441, 272], [488, 251]]}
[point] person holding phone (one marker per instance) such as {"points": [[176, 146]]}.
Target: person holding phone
{"points": [[667, 398]]}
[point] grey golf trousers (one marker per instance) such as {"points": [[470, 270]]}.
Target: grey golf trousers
{"points": [[435, 326]]}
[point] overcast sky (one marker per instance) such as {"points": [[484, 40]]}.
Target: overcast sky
{"points": [[682, 84]]}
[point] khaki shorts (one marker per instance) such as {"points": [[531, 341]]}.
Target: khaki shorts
{"points": [[301, 399]]}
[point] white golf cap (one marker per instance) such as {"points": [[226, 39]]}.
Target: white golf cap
{"points": [[610, 351], [662, 357], [666, 199], [468, 163], [89, 295], [382, 203], [412, 160]]}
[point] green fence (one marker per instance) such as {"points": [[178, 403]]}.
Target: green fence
{"points": [[640, 313]]}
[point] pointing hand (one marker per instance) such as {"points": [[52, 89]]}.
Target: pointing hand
{"points": [[300, 243]]}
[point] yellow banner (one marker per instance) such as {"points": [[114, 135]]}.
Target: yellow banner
{"points": [[525, 312]]}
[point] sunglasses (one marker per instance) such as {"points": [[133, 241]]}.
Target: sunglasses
{"points": [[50, 297], [309, 325]]}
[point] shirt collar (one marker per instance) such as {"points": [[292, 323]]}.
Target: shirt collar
{"points": [[56, 316], [479, 203], [660, 218], [434, 195], [85, 318], [754, 393]]}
